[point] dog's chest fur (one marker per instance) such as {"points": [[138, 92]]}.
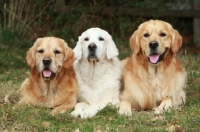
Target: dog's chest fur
{"points": [[157, 78], [92, 71], [49, 91], [98, 80], [161, 80]]}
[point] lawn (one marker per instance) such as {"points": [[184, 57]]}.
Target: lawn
{"points": [[13, 70]]}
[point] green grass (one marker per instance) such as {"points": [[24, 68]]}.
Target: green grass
{"points": [[13, 70]]}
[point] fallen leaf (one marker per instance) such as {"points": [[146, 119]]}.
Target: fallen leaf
{"points": [[77, 130], [28, 72], [98, 129], [46, 124], [174, 128], [160, 118], [110, 118], [6, 99]]}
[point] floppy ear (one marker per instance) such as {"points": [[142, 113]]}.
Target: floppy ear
{"points": [[134, 42], [176, 41], [69, 57], [111, 50], [78, 49], [30, 57]]}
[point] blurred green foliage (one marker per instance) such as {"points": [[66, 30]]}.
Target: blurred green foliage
{"points": [[23, 21]]}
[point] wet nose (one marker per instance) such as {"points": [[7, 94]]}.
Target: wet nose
{"points": [[46, 61], [92, 46], [153, 44]]}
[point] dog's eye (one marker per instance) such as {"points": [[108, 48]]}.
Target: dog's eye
{"points": [[57, 52], [101, 39], [40, 51], [86, 39], [162, 34], [146, 35]]}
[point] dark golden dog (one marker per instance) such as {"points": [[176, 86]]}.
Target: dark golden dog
{"points": [[52, 82]]}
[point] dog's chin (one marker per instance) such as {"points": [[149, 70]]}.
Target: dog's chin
{"points": [[93, 58], [156, 58], [47, 74]]}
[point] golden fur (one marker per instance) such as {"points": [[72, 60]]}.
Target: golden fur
{"points": [[57, 91], [149, 84]]}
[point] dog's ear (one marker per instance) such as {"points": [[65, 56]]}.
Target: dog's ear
{"points": [[176, 41], [69, 57], [111, 50], [30, 57], [78, 49], [134, 42]]}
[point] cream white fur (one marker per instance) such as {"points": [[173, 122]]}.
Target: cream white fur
{"points": [[99, 81]]}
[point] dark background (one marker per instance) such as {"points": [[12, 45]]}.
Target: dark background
{"points": [[23, 21]]}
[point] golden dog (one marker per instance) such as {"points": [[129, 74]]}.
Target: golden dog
{"points": [[152, 76], [52, 80]]}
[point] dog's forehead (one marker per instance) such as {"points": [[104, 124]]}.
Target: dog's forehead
{"points": [[94, 33], [155, 25], [49, 43]]}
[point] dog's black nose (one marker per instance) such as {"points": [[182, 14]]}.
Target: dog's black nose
{"points": [[92, 46], [46, 61], [153, 44]]}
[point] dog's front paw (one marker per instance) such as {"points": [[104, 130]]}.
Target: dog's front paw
{"points": [[60, 110], [126, 112], [160, 110], [157, 111], [54, 112], [164, 106], [125, 108], [88, 113], [76, 113]]}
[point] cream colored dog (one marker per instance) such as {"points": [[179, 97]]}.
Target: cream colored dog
{"points": [[152, 76], [98, 72]]}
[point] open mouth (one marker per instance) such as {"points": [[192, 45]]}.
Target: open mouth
{"points": [[155, 58], [48, 74]]}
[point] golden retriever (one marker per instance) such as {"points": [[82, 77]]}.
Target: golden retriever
{"points": [[52, 81], [98, 72], [153, 77]]}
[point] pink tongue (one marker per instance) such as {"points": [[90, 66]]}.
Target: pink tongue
{"points": [[47, 73], [154, 58]]}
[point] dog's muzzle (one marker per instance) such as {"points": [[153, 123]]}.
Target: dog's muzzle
{"points": [[47, 73], [92, 51], [154, 57], [47, 61], [153, 45]]}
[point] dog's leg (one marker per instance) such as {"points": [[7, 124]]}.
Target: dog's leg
{"points": [[125, 108], [79, 108]]}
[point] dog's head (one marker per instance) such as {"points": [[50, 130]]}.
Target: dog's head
{"points": [[49, 55], [95, 44], [155, 39]]}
